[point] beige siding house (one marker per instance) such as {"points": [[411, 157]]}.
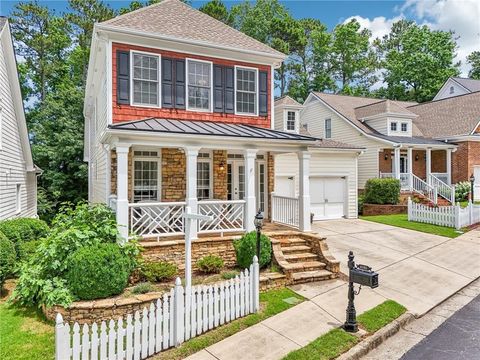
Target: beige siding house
{"points": [[18, 175]]}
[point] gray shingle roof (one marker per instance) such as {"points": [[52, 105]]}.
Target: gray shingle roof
{"points": [[381, 107], [287, 100], [175, 19], [410, 140], [470, 84]]}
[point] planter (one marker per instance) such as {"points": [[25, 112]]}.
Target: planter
{"points": [[375, 209]]}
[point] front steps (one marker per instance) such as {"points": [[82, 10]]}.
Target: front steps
{"points": [[422, 199], [303, 257]]}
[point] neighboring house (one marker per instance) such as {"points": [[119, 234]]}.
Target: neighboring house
{"points": [[455, 86], [179, 116], [18, 174], [333, 168]]}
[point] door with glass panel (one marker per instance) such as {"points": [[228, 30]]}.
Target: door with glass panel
{"points": [[236, 179]]}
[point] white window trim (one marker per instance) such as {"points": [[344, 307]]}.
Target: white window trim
{"points": [[285, 120], [210, 108], [157, 158], [159, 78], [18, 198], [257, 92], [211, 173], [406, 127], [390, 126], [325, 128]]}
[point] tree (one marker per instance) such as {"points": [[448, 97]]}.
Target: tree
{"points": [[217, 10], [474, 60], [416, 61]]}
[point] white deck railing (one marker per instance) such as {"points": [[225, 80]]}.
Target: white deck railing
{"points": [[179, 316], [443, 189], [421, 187], [285, 210], [404, 179], [228, 215], [157, 219]]}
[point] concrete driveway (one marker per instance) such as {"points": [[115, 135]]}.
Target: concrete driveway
{"points": [[416, 269]]}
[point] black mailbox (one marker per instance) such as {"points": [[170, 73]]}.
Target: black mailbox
{"points": [[364, 275]]}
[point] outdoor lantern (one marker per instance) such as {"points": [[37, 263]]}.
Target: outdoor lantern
{"points": [[472, 182], [386, 156], [221, 166], [258, 225], [416, 157]]}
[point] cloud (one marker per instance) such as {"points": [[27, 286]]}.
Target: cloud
{"points": [[379, 26]]}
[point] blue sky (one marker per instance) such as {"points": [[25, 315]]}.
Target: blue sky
{"points": [[461, 16]]}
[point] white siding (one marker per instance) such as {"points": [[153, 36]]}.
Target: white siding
{"points": [[379, 124], [446, 91], [12, 164], [314, 116], [399, 131], [279, 121], [324, 164]]}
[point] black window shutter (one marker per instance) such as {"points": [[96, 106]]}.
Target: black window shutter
{"points": [[263, 93], [123, 77], [229, 90], [218, 88], [167, 82], [180, 84]]}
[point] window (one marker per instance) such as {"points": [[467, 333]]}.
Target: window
{"points": [[199, 85], [203, 176], [145, 176], [246, 102], [404, 127], [19, 198], [328, 128], [145, 79], [452, 89], [393, 126], [291, 120]]}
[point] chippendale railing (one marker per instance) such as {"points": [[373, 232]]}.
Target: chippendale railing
{"points": [[157, 219], [227, 215]]}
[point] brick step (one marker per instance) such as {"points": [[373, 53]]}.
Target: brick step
{"points": [[295, 249], [308, 276], [292, 242], [300, 257], [304, 266]]}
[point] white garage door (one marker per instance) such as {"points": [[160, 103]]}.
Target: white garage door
{"points": [[476, 186], [327, 197]]}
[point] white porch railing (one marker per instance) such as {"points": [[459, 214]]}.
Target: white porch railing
{"points": [[179, 316], [228, 215], [157, 219], [404, 179], [421, 187], [443, 189], [285, 210]]}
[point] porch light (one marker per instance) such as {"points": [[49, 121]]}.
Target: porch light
{"points": [[221, 167], [472, 183], [386, 156], [258, 222], [416, 157]]}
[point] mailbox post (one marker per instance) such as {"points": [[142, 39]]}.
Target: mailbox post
{"points": [[362, 275]]}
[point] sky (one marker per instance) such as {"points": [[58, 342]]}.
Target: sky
{"points": [[461, 16]]}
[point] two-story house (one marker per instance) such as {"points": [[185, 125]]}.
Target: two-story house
{"points": [[179, 114], [18, 174]]}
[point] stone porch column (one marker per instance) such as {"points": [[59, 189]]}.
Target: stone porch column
{"points": [[428, 165], [122, 190], [396, 159], [449, 166], [250, 211], [410, 167], [191, 154], [304, 191]]}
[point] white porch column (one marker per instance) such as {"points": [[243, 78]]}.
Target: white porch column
{"points": [[428, 165], [449, 166], [191, 154], [304, 191], [250, 211], [410, 167], [396, 159], [122, 190]]}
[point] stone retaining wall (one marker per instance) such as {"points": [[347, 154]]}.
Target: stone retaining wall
{"points": [[374, 209]]}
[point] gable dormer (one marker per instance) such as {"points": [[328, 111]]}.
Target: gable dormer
{"points": [[287, 114], [388, 117]]}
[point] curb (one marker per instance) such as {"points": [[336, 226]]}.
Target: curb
{"points": [[372, 342]]}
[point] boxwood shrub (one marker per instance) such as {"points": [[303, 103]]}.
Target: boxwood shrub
{"points": [[210, 264], [246, 249], [157, 271], [98, 271], [7, 258], [382, 191], [23, 230]]}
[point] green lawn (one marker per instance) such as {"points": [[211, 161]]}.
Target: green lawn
{"points": [[337, 341], [24, 334], [401, 220]]}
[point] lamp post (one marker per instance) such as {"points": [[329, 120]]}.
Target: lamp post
{"points": [[351, 322], [472, 182], [258, 225]]}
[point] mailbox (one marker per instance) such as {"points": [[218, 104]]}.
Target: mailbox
{"points": [[364, 275]]}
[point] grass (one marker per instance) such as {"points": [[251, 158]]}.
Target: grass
{"points": [[401, 220], [337, 341], [25, 334], [464, 204], [271, 303]]}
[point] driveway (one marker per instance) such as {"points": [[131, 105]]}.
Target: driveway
{"points": [[416, 269]]}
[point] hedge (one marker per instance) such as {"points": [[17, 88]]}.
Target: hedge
{"points": [[382, 191], [7, 258], [246, 248], [23, 230]]}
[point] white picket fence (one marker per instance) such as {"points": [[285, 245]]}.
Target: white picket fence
{"points": [[451, 216], [177, 317]]}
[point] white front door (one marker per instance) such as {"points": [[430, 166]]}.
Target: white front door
{"points": [[236, 179], [476, 184], [327, 197]]}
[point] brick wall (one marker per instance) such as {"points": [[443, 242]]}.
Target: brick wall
{"points": [[420, 165], [173, 174], [385, 165], [220, 189], [464, 159], [439, 161], [127, 113]]}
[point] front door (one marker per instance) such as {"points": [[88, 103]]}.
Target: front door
{"points": [[236, 179]]}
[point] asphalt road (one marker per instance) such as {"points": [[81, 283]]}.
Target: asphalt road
{"points": [[458, 338]]}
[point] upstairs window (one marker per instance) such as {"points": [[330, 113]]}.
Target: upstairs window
{"points": [[199, 85], [246, 94], [452, 89], [204, 166], [145, 79], [291, 120], [393, 126], [328, 128], [404, 127]]}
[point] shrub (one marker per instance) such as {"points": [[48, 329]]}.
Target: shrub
{"points": [[246, 248], [229, 275], [142, 288], [42, 279], [23, 230], [462, 189], [382, 191], [361, 201], [27, 249], [98, 271], [157, 271], [7, 258], [210, 264]]}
